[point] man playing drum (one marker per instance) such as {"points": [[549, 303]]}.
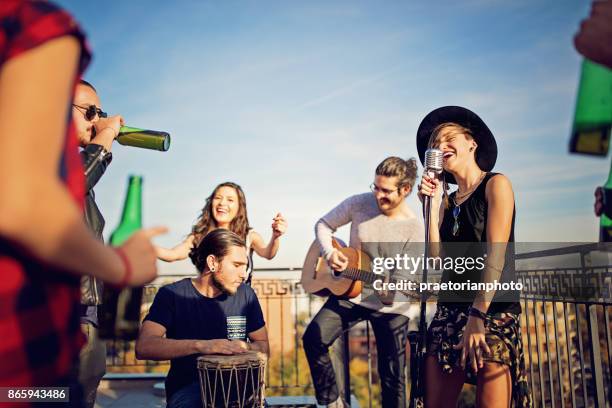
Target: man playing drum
{"points": [[214, 313]]}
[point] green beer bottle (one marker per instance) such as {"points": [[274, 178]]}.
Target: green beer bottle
{"points": [[593, 115], [147, 139], [120, 314], [605, 220]]}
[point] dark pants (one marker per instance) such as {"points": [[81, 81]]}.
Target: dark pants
{"points": [[390, 331], [186, 397]]}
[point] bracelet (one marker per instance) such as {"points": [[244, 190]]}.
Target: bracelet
{"points": [[128, 268], [472, 311]]}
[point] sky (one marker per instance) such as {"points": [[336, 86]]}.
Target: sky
{"points": [[299, 101]]}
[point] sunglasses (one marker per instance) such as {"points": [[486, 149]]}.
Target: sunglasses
{"points": [[91, 111]]}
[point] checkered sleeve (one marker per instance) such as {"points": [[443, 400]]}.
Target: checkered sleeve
{"points": [[27, 24], [39, 319]]}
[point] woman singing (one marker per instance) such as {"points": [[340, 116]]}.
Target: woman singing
{"points": [[475, 335]]}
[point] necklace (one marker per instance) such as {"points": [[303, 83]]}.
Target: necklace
{"points": [[456, 212], [461, 197]]}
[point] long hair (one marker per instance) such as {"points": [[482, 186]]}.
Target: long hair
{"points": [[206, 222]]}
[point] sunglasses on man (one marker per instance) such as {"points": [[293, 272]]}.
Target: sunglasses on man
{"points": [[90, 111]]}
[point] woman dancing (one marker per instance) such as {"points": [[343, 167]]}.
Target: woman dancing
{"points": [[474, 336], [226, 208]]}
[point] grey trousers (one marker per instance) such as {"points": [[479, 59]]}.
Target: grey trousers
{"points": [[92, 364]]}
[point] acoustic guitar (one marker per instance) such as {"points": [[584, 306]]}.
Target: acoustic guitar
{"points": [[319, 279]]}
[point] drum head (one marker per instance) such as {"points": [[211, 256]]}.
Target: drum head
{"points": [[221, 360]]}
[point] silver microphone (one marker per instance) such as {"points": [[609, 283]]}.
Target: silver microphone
{"points": [[434, 160]]}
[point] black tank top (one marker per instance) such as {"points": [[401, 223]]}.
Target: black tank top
{"points": [[472, 234]]}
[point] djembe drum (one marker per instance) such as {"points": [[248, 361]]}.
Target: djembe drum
{"points": [[232, 381]]}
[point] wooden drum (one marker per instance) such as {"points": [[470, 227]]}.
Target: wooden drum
{"points": [[235, 381]]}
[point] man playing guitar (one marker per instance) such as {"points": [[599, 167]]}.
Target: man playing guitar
{"points": [[382, 216]]}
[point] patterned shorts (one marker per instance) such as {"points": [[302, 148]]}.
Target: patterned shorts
{"points": [[503, 336]]}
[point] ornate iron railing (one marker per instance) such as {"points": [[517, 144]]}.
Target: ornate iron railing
{"points": [[566, 326]]}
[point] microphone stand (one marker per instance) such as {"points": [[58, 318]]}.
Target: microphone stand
{"points": [[417, 386]]}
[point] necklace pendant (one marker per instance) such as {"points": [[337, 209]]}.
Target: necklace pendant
{"points": [[456, 212], [456, 228]]}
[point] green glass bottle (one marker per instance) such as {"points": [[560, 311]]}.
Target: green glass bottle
{"points": [[605, 220], [120, 314], [593, 115], [146, 139]]}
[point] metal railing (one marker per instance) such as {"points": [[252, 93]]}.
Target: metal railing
{"points": [[566, 336], [567, 329]]}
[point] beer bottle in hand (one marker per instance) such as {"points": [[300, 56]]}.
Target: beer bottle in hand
{"points": [[143, 138], [593, 115], [605, 221], [120, 311]]}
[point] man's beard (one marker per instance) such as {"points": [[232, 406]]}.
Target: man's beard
{"points": [[219, 285]]}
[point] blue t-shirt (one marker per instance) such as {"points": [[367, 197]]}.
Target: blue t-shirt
{"points": [[187, 314]]}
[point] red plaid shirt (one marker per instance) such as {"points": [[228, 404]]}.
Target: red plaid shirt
{"points": [[40, 334]]}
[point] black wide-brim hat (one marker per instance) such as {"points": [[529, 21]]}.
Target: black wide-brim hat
{"points": [[486, 152]]}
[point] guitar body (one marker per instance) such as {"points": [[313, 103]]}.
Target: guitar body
{"points": [[319, 279]]}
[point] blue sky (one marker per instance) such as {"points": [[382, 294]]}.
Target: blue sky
{"points": [[299, 101]]}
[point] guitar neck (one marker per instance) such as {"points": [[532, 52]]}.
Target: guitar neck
{"points": [[360, 275]]}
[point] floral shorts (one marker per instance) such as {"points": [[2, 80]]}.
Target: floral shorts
{"points": [[503, 336]]}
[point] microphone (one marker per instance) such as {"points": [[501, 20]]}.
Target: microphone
{"points": [[434, 159]]}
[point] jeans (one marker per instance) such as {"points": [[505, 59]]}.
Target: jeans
{"points": [[390, 331], [186, 397]]}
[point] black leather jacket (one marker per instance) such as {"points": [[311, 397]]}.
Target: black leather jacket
{"points": [[95, 161]]}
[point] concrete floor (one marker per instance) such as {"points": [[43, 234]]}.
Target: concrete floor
{"points": [[150, 394], [129, 394]]}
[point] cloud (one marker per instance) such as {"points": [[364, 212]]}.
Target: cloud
{"points": [[369, 80]]}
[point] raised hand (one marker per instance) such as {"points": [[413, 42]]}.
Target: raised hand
{"points": [[279, 225]]}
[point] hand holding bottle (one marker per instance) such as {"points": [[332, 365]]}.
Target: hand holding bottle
{"points": [[594, 40], [598, 206], [106, 130], [120, 317], [141, 256]]}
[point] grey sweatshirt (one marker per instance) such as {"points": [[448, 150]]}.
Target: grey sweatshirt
{"points": [[369, 226]]}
